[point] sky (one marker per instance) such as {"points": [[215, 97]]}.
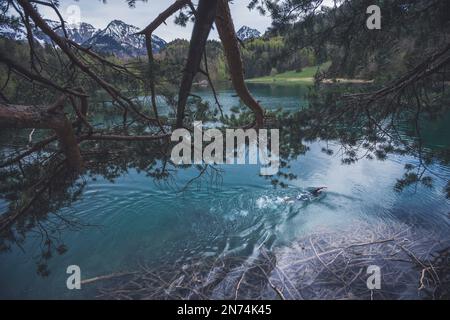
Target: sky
{"points": [[99, 15]]}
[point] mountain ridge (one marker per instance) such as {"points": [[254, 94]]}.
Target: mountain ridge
{"points": [[118, 38], [247, 33]]}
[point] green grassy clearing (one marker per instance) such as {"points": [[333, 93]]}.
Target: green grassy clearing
{"points": [[305, 76]]}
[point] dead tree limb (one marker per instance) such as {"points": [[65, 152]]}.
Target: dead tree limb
{"points": [[36, 147], [40, 117], [151, 67], [106, 137], [163, 16], [18, 69]]}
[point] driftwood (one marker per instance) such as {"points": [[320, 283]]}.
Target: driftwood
{"points": [[106, 277], [324, 265]]}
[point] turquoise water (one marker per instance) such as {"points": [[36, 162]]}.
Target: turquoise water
{"points": [[272, 97], [137, 220], [288, 97]]}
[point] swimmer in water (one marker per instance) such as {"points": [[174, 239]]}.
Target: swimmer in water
{"points": [[306, 196], [318, 191]]}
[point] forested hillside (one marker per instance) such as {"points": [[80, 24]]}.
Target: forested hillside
{"points": [[261, 57], [409, 31]]}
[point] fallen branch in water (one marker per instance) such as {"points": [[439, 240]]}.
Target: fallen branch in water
{"points": [[323, 265], [107, 277]]}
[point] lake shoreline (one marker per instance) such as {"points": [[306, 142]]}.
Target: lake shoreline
{"points": [[309, 80]]}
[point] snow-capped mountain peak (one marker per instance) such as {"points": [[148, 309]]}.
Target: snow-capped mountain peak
{"points": [[121, 39], [82, 32], [247, 33], [118, 38], [77, 33], [12, 33], [122, 31]]}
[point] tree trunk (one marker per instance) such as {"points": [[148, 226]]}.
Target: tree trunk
{"points": [[206, 13], [227, 34], [39, 117]]}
